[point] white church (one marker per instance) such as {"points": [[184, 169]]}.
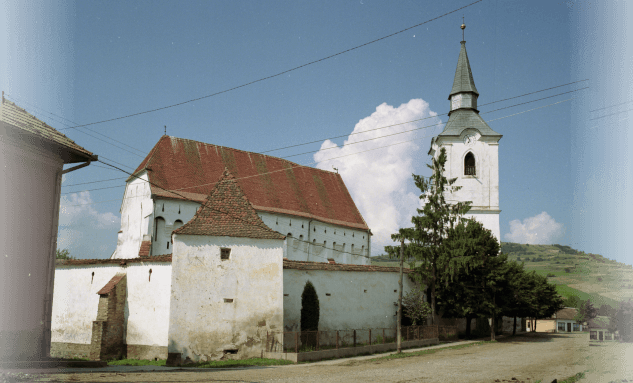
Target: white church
{"points": [[216, 245]]}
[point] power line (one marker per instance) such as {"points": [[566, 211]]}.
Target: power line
{"points": [[610, 106], [81, 191], [278, 74], [92, 182], [611, 114], [17, 100], [420, 119], [328, 159]]}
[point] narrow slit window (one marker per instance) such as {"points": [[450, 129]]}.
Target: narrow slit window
{"points": [[469, 164], [228, 300], [225, 254]]}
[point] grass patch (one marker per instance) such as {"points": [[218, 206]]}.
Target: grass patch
{"points": [[137, 362], [573, 379], [241, 363]]}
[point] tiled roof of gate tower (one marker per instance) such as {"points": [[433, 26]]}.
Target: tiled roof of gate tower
{"points": [[227, 212], [192, 169]]}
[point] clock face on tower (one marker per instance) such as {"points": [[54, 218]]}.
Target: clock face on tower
{"points": [[456, 101], [470, 139]]}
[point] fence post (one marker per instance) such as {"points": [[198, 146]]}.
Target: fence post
{"points": [[267, 340], [370, 337], [317, 340], [296, 342], [354, 338], [337, 339], [383, 336]]}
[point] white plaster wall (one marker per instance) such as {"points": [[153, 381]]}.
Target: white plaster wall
{"points": [[202, 325], [358, 299], [146, 310], [136, 210], [482, 189], [171, 211], [343, 244]]}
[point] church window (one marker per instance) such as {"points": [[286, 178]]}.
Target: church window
{"points": [[314, 230], [225, 254], [93, 277], [150, 275], [290, 223], [469, 164], [328, 294], [167, 245], [228, 300], [177, 224], [163, 207]]}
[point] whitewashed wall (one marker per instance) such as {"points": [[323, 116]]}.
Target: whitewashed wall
{"points": [[343, 244], [146, 310], [175, 213], [357, 300], [202, 325], [136, 209]]}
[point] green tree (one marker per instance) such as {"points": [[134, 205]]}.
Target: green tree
{"points": [[415, 308], [623, 322], [63, 254], [430, 227], [471, 275], [572, 301], [586, 312], [541, 299]]}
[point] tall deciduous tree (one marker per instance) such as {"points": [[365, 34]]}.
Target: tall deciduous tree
{"points": [[430, 226], [472, 272]]}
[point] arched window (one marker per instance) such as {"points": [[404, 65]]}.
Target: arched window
{"points": [[469, 164], [161, 239], [159, 227], [177, 224]]}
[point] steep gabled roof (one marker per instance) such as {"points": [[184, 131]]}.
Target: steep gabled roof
{"points": [[20, 123], [227, 212], [463, 81], [191, 169], [567, 313]]}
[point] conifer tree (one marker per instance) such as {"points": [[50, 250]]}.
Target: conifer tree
{"points": [[309, 308], [430, 227]]}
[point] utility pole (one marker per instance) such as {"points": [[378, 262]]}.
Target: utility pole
{"points": [[399, 328]]}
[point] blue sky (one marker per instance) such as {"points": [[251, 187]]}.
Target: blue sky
{"points": [[82, 62]]}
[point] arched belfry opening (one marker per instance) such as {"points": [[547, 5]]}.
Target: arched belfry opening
{"points": [[469, 164]]}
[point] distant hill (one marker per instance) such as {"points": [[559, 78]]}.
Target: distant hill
{"points": [[585, 275]]}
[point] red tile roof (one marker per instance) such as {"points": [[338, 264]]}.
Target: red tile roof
{"points": [[145, 248], [108, 261], [227, 212], [271, 184], [110, 285], [304, 265]]}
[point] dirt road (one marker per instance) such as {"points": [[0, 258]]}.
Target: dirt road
{"points": [[526, 358]]}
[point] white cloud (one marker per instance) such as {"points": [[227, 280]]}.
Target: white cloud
{"points": [[84, 231], [538, 230], [380, 181]]}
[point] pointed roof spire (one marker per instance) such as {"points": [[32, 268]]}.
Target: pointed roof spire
{"points": [[463, 75], [228, 212]]}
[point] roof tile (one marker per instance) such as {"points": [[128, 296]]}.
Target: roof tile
{"points": [[112, 284], [227, 212], [192, 168], [306, 265]]}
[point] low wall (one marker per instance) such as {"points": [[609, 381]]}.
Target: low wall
{"points": [[347, 352], [134, 351]]}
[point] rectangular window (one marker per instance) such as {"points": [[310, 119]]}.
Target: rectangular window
{"points": [[228, 300], [225, 254], [561, 326], [576, 327], [593, 335]]}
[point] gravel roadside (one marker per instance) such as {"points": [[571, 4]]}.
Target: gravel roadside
{"points": [[527, 358]]}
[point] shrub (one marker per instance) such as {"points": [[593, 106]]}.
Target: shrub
{"points": [[567, 270], [550, 275], [599, 279]]}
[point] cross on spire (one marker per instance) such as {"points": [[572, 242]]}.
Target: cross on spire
{"points": [[463, 27]]}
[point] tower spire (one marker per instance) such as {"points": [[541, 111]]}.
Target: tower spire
{"points": [[463, 27]]}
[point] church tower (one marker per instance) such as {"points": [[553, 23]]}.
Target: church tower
{"points": [[472, 149]]}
